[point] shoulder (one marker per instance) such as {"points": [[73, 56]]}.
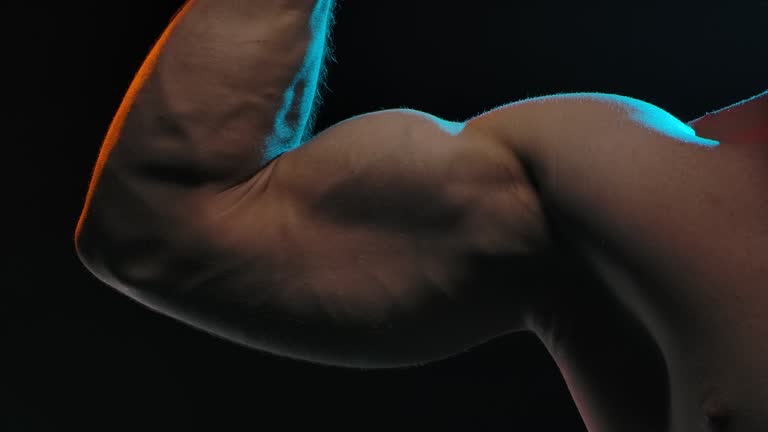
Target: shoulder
{"points": [[569, 117], [577, 135]]}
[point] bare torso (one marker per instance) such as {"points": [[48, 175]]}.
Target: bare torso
{"points": [[665, 327], [661, 329], [354, 248]]}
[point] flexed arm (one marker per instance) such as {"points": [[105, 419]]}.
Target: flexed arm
{"points": [[377, 243]]}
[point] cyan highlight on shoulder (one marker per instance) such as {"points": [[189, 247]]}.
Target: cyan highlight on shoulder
{"points": [[645, 113]]}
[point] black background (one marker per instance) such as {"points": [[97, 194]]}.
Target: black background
{"points": [[79, 356]]}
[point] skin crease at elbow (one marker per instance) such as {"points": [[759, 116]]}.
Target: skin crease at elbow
{"points": [[396, 238]]}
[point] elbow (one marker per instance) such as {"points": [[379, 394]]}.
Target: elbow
{"points": [[94, 261], [86, 252], [113, 263]]}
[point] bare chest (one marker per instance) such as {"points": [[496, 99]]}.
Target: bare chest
{"points": [[684, 256], [698, 362]]}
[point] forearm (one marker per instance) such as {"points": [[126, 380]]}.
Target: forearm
{"points": [[228, 87]]}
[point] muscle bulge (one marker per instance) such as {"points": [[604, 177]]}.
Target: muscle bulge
{"points": [[384, 223], [374, 239], [378, 242]]}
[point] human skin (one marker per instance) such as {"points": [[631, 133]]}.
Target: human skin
{"points": [[671, 232], [396, 238]]}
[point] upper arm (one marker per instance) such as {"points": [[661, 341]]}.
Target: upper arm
{"points": [[390, 238]]}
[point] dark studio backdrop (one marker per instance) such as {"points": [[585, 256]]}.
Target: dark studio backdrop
{"points": [[79, 356]]}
